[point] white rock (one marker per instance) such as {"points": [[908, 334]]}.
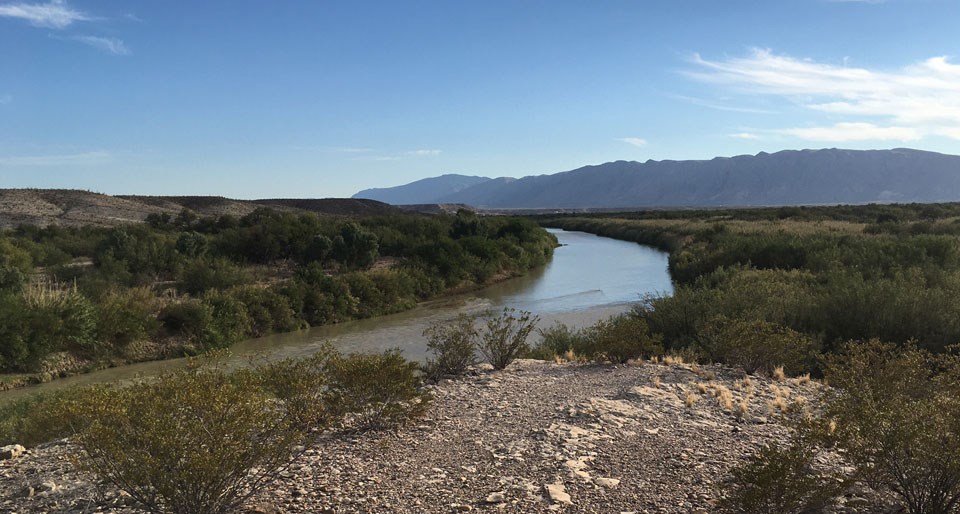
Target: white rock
{"points": [[607, 482], [558, 493], [496, 497], [11, 451]]}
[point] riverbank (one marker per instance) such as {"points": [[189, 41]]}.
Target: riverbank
{"points": [[537, 437]]}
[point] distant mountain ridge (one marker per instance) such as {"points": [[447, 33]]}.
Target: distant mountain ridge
{"points": [[429, 188], [789, 177], [44, 207]]}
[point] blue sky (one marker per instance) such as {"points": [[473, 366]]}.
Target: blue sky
{"points": [[252, 99]]}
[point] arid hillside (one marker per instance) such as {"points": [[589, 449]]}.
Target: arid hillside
{"points": [[73, 207]]}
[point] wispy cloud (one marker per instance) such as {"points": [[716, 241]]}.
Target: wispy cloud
{"points": [[6, 99], [635, 141], [341, 149], [424, 153], [854, 132], [744, 135], [720, 106], [916, 101], [76, 159], [55, 14], [107, 44]]}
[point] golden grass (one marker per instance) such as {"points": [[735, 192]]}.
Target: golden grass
{"points": [[778, 374]]}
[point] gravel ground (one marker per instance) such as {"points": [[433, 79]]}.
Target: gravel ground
{"points": [[537, 437]]}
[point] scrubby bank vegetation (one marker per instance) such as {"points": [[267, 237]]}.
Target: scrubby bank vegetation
{"points": [[798, 277], [866, 296], [186, 284]]}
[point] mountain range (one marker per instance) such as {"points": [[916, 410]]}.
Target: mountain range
{"points": [[789, 177]]}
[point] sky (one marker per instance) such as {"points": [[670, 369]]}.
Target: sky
{"points": [[323, 98]]}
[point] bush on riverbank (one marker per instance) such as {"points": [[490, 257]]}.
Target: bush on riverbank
{"points": [[828, 274], [194, 283]]}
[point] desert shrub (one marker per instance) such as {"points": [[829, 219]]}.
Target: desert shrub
{"points": [[619, 339], [301, 384], [452, 345], [201, 275], [42, 417], [191, 441], [268, 310], [557, 339], [229, 320], [757, 345], [504, 337], [374, 391], [190, 319], [897, 418], [126, 315], [779, 480]]}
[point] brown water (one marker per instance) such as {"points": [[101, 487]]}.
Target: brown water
{"points": [[589, 278]]}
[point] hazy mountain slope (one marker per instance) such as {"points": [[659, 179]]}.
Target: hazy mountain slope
{"points": [[782, 178], [72, 207], [426, 191]]}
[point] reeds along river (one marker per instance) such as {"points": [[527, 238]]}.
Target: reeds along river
{"points": [[589, 278]]}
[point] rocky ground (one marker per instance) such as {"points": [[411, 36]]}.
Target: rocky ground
{"points": [[537, 437]]}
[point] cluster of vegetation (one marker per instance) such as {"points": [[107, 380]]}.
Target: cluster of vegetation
{"points": [[202, 439], [817, 289], [618, 339], [454, 344], [766, 287], [194, 284], [892, 413]]}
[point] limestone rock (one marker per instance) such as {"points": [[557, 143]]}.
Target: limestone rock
{"points": [[11, 451]]}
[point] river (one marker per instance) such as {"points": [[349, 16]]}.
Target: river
{"points": [[588, 279]]}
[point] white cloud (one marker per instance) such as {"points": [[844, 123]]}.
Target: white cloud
{"points": [[635, 141], [744, 135], [910, 103], [77, 159], [341, 149], [854, 132], [106, 44], [720, 106], [423, 153], [54, 14]]}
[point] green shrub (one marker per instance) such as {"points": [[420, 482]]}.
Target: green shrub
{"points": [[897, 418], [190, 319], [201, 275], [42, 417], [374, 391], [127, 315], [504, 338], [619, 339], [779, 480], [192, 441], [302, 384], [757, 345], [453, 346], [556, 340]]}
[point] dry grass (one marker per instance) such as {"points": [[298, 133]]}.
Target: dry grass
{"points": [[670, 360], [689, 399], [803, 379], [656, 382], [724, 397], [777, 404], [702, 388], [778, 374], [743, 406]]}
